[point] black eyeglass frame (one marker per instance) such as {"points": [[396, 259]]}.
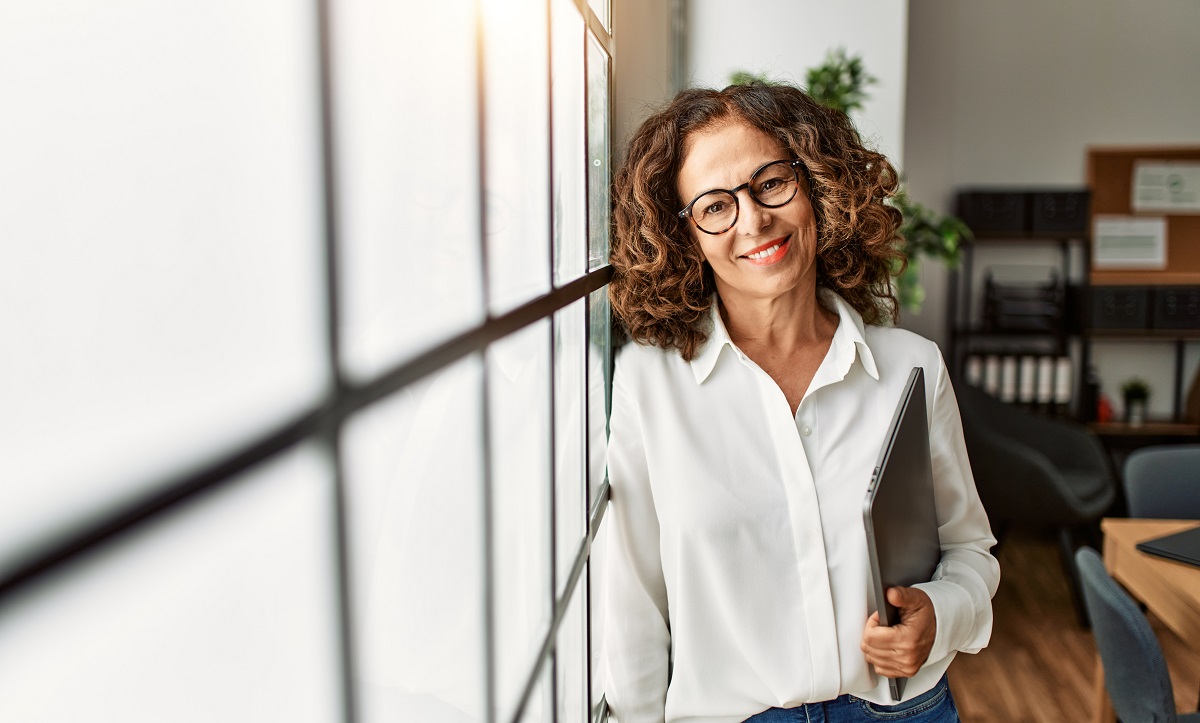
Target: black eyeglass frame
{"points": [[792, 163]]}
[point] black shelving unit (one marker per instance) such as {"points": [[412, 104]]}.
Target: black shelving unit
{"points": [[969, 336]]}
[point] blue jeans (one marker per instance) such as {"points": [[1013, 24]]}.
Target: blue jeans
{"points": [[933, 706]]}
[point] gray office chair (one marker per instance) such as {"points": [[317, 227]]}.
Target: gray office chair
{"points": [[1034, 471], [1164, 482], [1135, 672]]}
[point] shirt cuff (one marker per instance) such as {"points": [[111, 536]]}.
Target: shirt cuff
{"points": [[955, 614]]}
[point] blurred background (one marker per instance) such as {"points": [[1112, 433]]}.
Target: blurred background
{"points": [[306, 346]]}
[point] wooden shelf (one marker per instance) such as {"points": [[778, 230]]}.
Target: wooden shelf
{"points": [[1147, 429], [976, 331], [1144, 278], [1028, 236], [1144, 334]]}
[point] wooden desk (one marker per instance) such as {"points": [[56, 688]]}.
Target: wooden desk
{"points": [[1171, 590]]}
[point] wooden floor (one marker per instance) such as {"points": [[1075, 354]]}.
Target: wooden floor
{"points": [[1040, 663]]}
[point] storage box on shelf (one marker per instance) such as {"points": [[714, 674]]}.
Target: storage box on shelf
{"points": [[1040, 382], [1120, 307], [1034, 307], [998, 213], [1059, 212], [1176, 307], [1146, 308]]}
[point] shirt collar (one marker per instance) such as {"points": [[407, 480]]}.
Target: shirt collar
{"points": [[849, 340], [718, 339]]}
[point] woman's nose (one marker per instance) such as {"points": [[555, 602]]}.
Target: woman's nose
{"points": [[752, 217]]}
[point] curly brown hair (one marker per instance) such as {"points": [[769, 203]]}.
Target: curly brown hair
{"points": [[662, 286]]}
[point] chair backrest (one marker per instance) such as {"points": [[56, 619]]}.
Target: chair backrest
{"points": [[1164, 482], [1135, 672], [1033, 470], [979, 407]]}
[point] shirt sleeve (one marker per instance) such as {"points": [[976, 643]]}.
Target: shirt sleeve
{"points": [[968, 574], [637, 638]]}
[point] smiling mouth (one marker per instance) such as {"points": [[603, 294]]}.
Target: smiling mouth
{"points": [[765, 253], [767, 250]]}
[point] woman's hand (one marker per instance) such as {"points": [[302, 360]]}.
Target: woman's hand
{"points": [[899, 651]]}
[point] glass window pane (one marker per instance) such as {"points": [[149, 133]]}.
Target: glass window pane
{"points": [[519, 440], [599, 208], [569, 397], [571, 660], [413, 467], [595, 591], [570, 155], [518, 153], [407, 146], [599, 398], [598, 385], [539, 709], [161, 286], [224, 610]]}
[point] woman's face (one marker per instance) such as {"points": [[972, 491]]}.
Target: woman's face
{"points": [[769, 252]]}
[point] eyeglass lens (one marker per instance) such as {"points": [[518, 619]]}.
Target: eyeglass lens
{"points": [[772, 186]]}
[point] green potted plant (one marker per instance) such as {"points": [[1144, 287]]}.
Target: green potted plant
{"points": [[1136, 393], [840, 82], [928, 234]]}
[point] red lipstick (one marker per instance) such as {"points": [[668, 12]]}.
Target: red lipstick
{"points": [[777, 250]]}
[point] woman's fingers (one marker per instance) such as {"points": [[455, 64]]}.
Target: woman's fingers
{"points": [[900, 650]]}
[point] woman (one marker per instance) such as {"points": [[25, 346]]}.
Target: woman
{"points": [[753, 255]]}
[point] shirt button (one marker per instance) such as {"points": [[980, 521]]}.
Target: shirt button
{"points": [[806, 430]]}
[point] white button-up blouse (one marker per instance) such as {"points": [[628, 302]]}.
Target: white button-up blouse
{"points": [[738, 577]]}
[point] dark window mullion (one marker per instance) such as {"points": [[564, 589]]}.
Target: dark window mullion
{"points": [[438, 361], [585, 469], [587, 489], [552, 263], [595, 516], [555, 613], [479, 337], [167, 498], [330, 431], [189, 484]]}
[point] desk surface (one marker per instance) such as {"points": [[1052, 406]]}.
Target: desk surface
{"points": [[1170, 589]]}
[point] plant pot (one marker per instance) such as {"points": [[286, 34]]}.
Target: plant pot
{"points": [[1135, 412]]}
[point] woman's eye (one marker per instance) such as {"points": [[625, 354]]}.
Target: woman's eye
{"points": [[770, 184], [714, 208]]}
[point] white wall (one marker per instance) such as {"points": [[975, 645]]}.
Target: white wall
{"points": [[786, 37], [642, 60], [1013, 93]]}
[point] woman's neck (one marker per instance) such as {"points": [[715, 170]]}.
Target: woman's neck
{"points": [[780, 325]]}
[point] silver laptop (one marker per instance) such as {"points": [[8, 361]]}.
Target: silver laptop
{"points": [[899, 514]]}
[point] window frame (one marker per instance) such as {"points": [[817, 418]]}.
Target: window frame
{"points": [[323, 422]]}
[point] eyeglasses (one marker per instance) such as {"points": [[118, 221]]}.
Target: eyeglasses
{"points": [[771, 186]]}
